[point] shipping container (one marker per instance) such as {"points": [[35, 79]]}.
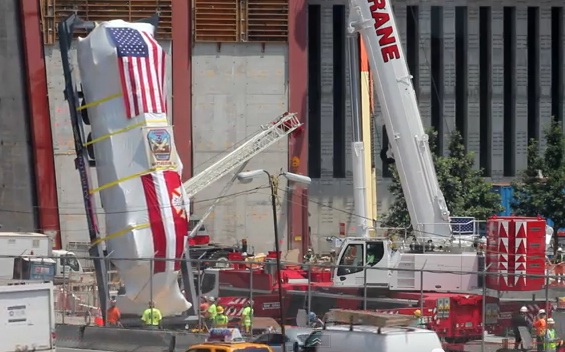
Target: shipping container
{"points": [[506, 197]]}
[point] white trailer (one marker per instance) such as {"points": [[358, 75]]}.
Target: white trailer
{"points": [[35, 245], [27, 317]]}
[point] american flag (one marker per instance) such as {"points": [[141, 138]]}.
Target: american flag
{"points": [[141, 63], [463, 225]]}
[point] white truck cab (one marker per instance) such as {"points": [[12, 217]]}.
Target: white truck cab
{"points": [[35, 249], [370, 338]]}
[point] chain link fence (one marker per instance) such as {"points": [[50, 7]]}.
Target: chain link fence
{"points": [[474, 318]]}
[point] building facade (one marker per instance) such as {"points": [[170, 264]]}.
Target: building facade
{"points": [[492, 70]]}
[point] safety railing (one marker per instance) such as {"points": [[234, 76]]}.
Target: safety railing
{"points": [[476, 315]]}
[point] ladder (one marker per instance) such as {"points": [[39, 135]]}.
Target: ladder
{"points": [[270, 134]]}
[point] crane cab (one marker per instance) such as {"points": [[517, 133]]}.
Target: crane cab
{"points": [[356, 255], [373, 263]]}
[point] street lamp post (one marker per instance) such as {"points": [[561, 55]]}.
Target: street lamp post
{"points": [[248, 176]]}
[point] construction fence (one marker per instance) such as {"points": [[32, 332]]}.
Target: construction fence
{"points": [[476, 318]]}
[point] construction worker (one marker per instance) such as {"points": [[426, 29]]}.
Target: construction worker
{"points": [[421, 323], [309, 256], [520, 320], [552, 342], [333, 255], [314, 321], [152, 317], [211, 312], [558, 261], [247, 316], [113, 314], [539, 328], [371, 258], [221, 320]]}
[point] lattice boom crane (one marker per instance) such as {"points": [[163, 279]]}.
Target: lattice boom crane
{"points": [[270, 134]]}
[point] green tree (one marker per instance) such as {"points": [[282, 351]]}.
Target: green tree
{"points": [[540, 189], [466, 191]]}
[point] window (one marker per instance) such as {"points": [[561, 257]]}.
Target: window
{"points": [[277, 340], [53, 12], [208, 283], [352, 260], [230, 21], [262, 339], [271, 339], [199, 350], [375, 252], [70, 261]]}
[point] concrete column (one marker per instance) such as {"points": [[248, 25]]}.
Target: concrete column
{"points": [[448, 75], [348, 125], [520, 128], [401, 14], [424, 58], [496, 128], [327, 92], [473, 122], [563, 71], [544, 71]]}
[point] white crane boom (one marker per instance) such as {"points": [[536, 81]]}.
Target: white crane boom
{"points": [[277, 130], [374, 20]]}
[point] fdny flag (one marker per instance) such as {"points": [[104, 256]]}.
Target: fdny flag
{"points": [[141, 63], [167, 212]]}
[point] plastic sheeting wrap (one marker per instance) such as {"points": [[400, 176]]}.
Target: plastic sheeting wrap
{"points": [[123, 79]]}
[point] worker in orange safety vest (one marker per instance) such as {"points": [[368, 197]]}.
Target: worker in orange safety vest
{"points": [[539, 328]]}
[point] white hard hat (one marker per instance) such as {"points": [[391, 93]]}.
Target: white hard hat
{"points": [[483, 240], [211, 299], [550, 321], [541, 311], [244, 254], [560, 249], [524, 309]]}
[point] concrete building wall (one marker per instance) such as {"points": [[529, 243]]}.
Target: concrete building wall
{"points": [[71, 206], [17, 212], [236, 89]]}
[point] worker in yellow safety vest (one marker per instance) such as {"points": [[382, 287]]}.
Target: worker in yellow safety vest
{"points": [[552, 342], [212, 311], [221, 320], [421, 323], [247, 316], [152, 317]]}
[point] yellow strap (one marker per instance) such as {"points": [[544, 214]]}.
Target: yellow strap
{"points": [[108, 135], [127, 178], [120, 233], [98, 102]]}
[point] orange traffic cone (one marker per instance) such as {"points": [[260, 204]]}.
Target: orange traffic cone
{"points": [[98, 320]]}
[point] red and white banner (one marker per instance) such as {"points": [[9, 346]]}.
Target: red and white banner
{"points": [[167, 216]]}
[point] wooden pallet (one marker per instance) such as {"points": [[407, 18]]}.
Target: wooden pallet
{"points": [[345, 316]]}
